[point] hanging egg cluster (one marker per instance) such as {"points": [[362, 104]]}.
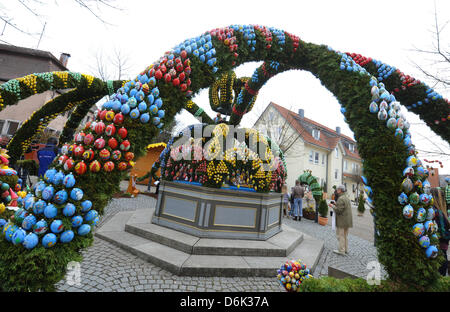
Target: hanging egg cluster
{"points": [[54, 212], [291, 275], [347, 63], [359, 59], [384, 70], [102, 145]]}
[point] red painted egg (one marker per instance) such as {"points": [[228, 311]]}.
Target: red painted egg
{"points": [[79, 137], [122, 166], [116, 155], [100, 127], [110, 130], [104, 154], [112, 143], [129, 156], [78, 150], [108, 166], [62, 159], [87, 125], [88, 139], [80, 168], [158, 74], [95, 166], [88, 155], [122, 133], [102, 114], [68, 165], [125, 145], [99, 143], [118, 119]]}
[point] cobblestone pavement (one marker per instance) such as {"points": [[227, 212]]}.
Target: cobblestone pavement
{"points": [[109, 268]]}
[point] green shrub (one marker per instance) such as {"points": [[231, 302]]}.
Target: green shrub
{"points": [[361, 207], [323, 209]]}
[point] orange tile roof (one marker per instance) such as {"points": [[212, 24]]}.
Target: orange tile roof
{"points": [[328, 141]]}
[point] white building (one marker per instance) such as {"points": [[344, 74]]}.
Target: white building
{"points": [[331, 156]]}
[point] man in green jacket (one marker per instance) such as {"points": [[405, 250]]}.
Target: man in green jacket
{"points": [[344, 220]]}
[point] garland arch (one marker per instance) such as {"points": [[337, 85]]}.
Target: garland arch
{"points": [[368, 91]]}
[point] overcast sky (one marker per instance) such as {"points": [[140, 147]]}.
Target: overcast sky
{"points": [[144, 30]]}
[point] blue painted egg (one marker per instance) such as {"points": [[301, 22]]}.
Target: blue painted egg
{"points": [[418, 229], [76, 194], [39, 207], [9, 231], [29, 202], [150, 99], [134, 113], [125, 109], [426, 186], [132, 93], [40, 227], [368, 190], [424, 198], [30, 241], [19, 215], [29, 222], [155, 92], [2, 224], [77, 221], [132, 102], [145, 118], [403, 199], [69, 210], [431, 226], [421, 215], [408, 211], [383, 105], [156, 120], [343, 110], [153, 109], [40, 186], [49, 174], [142, 107], [420, 171], [58, 178], [430, 214], [50, 211], [399, 133], [18, 236], [408, 172], [158, 103], [56, 226], [60, 197], [90, 215], [48, 192], [66, 236], [84, 229], [431, 252], [392, 123], [49, 240], [161, 113], [364, 180], [116, 106], [424, 241], [373, 107], [411, 161], [86, 205], [69, 181]]}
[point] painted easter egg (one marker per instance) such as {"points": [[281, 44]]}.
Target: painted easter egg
{"points": [[77, 221], [48, 192], [80, 168], [58, 178], [112, 143], [414, 198], [62, 159], [28, 222], [60, 197], [110, 130], [86, 205], [49, 174], [122, 166], [104, 154], [108, 166], [88, 139], [95, 166], [118, 119], [99, 143], [431, 252], [403, 199], [110, 115], [407, 185], [50, 211], [66, 236], [424, 241], [69, 210], [125, 145], [84, 229], [49, 240], [116, 155], [122, 133], [18, 236], [69, 181], [68, 165], [430, 214], [30, 241], [421, 215], [40, 227], [56, 226], [76, 194], [418, 229], [100, 127]]}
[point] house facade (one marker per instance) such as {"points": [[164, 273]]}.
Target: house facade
{"points": [[331, 156], [18, 62]]}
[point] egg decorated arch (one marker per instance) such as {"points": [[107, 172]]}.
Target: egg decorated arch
{"points": [[368, 91]]}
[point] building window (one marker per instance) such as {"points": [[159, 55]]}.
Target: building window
{"points": [[316, 134], [12, 128], [336, 173], [336, 151], [271, 114], [316, 158], [346, 166], [352, 147], [2, 123], [323, 159], [311, 155]]}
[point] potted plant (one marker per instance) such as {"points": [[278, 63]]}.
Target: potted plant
{"points": [[323, 212], [361, 207]]}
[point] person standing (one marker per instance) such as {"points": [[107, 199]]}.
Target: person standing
{"points": [[441, 218], [299, 192], [344, 220], [285, 193], [47, 155]]}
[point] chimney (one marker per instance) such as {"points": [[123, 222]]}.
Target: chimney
{"points": [[301, 113], [338, 130], [64, 58]]}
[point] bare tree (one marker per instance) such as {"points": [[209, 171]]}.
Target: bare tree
{"points": [[278, 128], [9, 11], [438, 57], [111, 67]]}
